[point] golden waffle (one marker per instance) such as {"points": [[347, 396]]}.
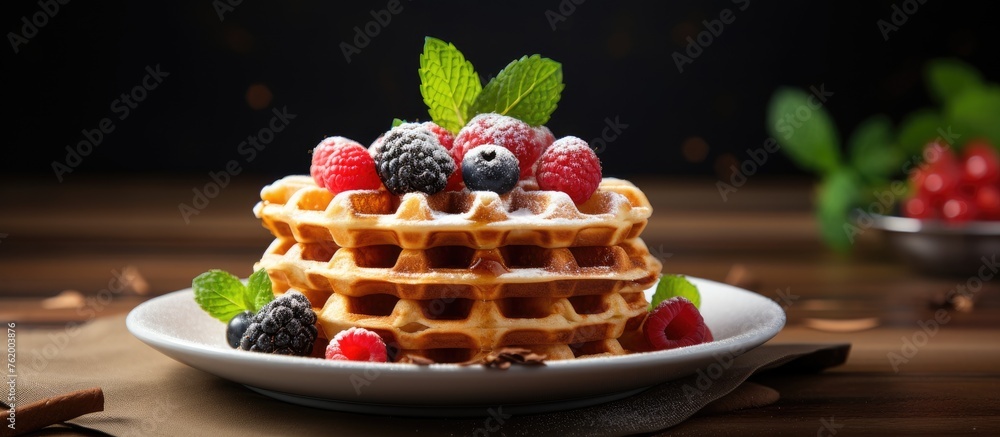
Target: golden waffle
{"points": [[458, 330], [294, 208], [322, 269]]}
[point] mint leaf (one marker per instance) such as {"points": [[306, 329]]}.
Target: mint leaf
{"points": [[672, 286], [527, 89], [220, 294], [916, 130], [873, 153], [947, 78], [975, 113], [807, 135], [837, 197], [397, 122], [259, 291], [448, 84]]}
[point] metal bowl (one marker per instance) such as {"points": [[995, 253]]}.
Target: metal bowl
{"points": [[937, 247]]}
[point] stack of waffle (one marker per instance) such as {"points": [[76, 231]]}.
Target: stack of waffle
{"points": [[454, 276]]}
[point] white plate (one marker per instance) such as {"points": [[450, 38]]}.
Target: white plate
{"points": [[173, 324]]}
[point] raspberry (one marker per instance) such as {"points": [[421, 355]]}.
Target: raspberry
{"points": [[515, 135], [340, 164], [357, 344], [411, 160], [675, 323], [570, 166], [490, 168], [286, 326]]}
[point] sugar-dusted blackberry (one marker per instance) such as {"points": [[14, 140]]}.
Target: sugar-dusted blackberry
{"points": [[410, 160], [285, 326], [490, 168]]}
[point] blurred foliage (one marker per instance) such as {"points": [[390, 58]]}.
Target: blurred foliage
{"points": [[877, 153]]}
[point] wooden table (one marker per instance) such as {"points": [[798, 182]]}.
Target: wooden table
{"points": [[900, 378]]}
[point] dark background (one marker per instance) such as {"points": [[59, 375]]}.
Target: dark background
{"points": [[616, 60]]}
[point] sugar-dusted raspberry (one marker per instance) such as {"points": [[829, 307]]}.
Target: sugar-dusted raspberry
{"points": [[515, 135], [675, 323], [340, 164], [357, 344], [569, 165]]}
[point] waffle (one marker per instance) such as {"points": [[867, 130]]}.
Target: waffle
{"points": [[320, 269], [459, 330], [294, 208], [456, 275]]}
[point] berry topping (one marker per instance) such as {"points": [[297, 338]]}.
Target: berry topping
{"points": [[340, 164], [357, 344], [286, 326], [956, 188], [569, 165], [490, 168], [525, 142], [443, 136], [675, 323], [237, 327], [413, 160]]}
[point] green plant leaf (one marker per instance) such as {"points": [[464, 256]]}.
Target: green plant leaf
{"points": [[947, 78], [527, 89], [806, 133], [673, 286], [259, 291], [397, 122], [872, 150], [220, 294], [975, 113], [837, 196], [448, 83], [916, 130]]}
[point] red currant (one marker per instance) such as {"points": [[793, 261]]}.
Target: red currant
{"points": [[980, 163]]}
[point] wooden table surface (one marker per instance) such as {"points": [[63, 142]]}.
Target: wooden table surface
{"points": [[76, 237]]}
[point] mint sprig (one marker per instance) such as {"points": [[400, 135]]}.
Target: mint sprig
{"points": [[675, 286], [527, 89], [448, 83], [223, 296]]}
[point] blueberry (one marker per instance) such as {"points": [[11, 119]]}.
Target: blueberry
{"points": [[237, 327], [490, 168]]}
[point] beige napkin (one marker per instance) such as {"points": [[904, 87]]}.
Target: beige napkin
{"points": [[147, 393]]}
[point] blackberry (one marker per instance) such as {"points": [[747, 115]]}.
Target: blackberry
{"points": [[490, 168], [413, 160], [285, 326]]}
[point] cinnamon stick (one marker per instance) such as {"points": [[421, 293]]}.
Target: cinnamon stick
{"points": [[53, 410]]}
